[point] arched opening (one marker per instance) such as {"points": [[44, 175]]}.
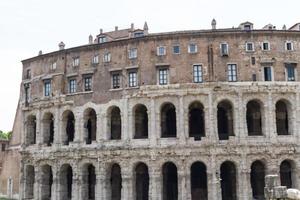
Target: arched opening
{"points": [[116, 182], [282, 118], [225, 120], [88, 182], [198, 181], [286, 174], [69, 127], [90, 125], [196, 121], [140, 122], [29, 181], [48, 129], [168, 120], [141, 182], [170, 182], [254, 118], [257, 177], [46, 182], [115, 123], [66, 182], [31, 130], [228, 181]]}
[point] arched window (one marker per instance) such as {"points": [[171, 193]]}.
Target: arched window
{"points": [[170, 181], [286, 174], [140, 122], [228, 181], [254, 118], [66, 182], [29, 181], [46, 182], [31, 130], [258, 180], [88, 182], [168, 120], [116, 182], [115, 123], [196, 121], [141, 182], [225, 120], [282, 118], [90, 125], [68, 127], [48, 129], [198, 181]]}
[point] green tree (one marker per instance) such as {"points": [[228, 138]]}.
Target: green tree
{"points": [[5, 135]]}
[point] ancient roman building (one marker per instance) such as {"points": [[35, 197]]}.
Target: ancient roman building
{"points": [[187, 115]]}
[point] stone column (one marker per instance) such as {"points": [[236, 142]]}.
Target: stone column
{"points": [[127, 184], [37, 183], [240, 123], [38, 127], [57, 126], [243, 185], [124, 120], [76, 183], [55, 184], [270, 119], [154, 133], [155, 183], [182, 192], [78, 127], [210, 121], [100, 128], [131, 126], [101, 183], [296, 118], [214, 182], [22, 180], [181, 114], [188, 188]]}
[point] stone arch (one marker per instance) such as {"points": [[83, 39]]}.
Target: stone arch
{"points": [[168, 120], [287, 173], [198, 181], [228, 180], [170, 181], [140, 121], [283, 117], [225, 119], [257, 179], [115, 123], [88, 189], [196, 120], [115, 182], [48, 128], [46, 182], [141, 174], [68, 124], [31, 130], [254, 116], [29, 182], [65, 182], [90, 125]]}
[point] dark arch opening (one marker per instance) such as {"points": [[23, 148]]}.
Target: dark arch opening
{"points": [[170, 182], [90, 125], [228, 181], [142, 182], [286, 174], [225, 120], [31, 130], [48, 129], [141, 122], [168, 120], [254, 120], [66, 182], [282, 118], [29, 181], [115, 126], [196, 121], [69, 124], [257, 177], [116, 182], [198, 181], [89, 182], [46, 182]]}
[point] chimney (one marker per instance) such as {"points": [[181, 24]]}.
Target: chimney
{"points": [[61, 46], [90, 39], [213, 24], [132, 27], [101, 30], [40, 52], [284, 27], [146, 28], [116, 28]]}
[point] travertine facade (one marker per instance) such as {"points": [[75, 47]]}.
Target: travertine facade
{"points": [[182, 115]]}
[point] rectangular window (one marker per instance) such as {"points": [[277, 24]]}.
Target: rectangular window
{"points": [[253, 60], [132, 78], [102, 39], [47, 88], [192, 48], [161, 51], [231, 72], [116, 83], [253, 77], [26, 87], [224, 49], [88, 83], [72, 85], [197, 72], [290, 71], [3, 147], [249, 46], [289, 46], [176, 49], [138, 34], [163, 76], [268, 73], [132, 53], [95, 59], [28, 74], [265, 46], [75, 62], [107, 57], [53, 66]]}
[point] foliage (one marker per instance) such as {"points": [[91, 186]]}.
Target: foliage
{"points": [[5, 135]]}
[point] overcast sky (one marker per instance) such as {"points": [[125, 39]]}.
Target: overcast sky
{"points": [[27, 26]]}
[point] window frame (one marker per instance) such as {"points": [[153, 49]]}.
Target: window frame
{"points": [[165, 76], [173, 49], [72, 85], [95, 59], [247, 49], [271, 75], [47, 88], [107, 57], [102, 39], [286, 45], [226, 53], [294, 67], [262, 46], [189, 48], [88, 86], [117, 81], [132, 53], [198, 76], [231, 77], [163, 53], [76, 61], [132, 81]]}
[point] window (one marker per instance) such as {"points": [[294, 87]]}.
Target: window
{"points": [[247, 27], [3, 147], [249, 46], [163, 76], [197, 72], [106, 57], [268, 73], [132, 78], [289, 46], [253, 60], [265, 46], [253, 77], [116, 81], [138, 34], [192, 48], [132, 53], [53, 66], [75, 62], [88, 83], [176, 49], [47, 88], [161, 51], [95, 59], [224, 49], [232, 75], [290, 71], [26, 87], [102, 39], [72, 85], [28, 74]]}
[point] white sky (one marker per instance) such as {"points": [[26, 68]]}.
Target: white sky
{"points": [[27, 26]]}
